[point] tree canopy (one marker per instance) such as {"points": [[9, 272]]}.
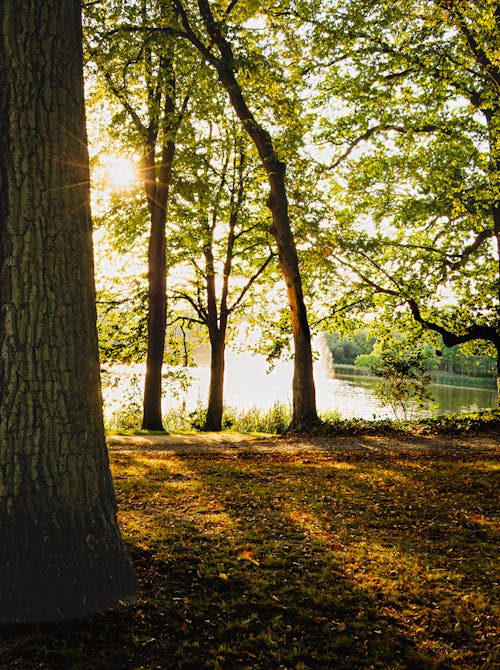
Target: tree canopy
{"points": [[415, 155], [377, 130]]}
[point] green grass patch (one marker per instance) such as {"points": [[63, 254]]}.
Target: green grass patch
{"points": [[464, 381], [279, 561], [487, 421]]}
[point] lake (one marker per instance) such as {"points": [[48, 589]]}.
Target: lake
{"points": [[248, 384]]}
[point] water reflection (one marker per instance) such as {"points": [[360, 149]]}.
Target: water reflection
{"points": [[447, 398], [249, 384]]}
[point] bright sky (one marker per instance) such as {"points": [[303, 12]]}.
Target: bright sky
{"points": [[121, 172]]}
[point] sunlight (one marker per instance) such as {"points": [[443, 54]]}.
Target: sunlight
{"points": [[121, 172]]}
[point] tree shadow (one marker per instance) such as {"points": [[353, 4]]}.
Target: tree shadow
{"points": [[284, 562]]}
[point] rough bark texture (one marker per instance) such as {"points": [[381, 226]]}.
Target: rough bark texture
{"points": [[61, 552]]}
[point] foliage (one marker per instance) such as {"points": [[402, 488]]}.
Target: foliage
{"points": [[345, 351], [455, 360], [405, 381], [298, 559], [450, 363], [122, 323], [487, 421], [458, 424], [127, 418], [464, 381], [412, 89], [386, 118], [126, 415], [274, 420], [217, 261]]}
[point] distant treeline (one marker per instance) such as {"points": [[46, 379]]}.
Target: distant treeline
{"points": [[360, 350]]}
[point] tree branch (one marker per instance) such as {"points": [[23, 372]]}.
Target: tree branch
{"points": [[447, 256], [334, 311], [478, 52], [199, 309], [126, 104], [189, 34], [426, 128], [251, 281], [450, 339]]}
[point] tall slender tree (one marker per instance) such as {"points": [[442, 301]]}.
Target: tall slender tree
{"points": [[225, 244], [141, 74], [214, 45], [61, 552]]}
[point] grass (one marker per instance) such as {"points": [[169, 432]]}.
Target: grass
{"points": [[464, 381], [439, 377], [280, 561]]}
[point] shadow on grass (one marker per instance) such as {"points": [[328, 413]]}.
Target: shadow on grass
{"points": [[292, 562]]}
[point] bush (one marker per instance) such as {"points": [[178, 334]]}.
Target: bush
{"points": [[405, 381]]}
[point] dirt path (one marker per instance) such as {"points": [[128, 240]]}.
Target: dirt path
{"points": [[259, 444]]}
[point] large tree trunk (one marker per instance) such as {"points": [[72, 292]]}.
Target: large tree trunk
{"points": [[61, 554]]}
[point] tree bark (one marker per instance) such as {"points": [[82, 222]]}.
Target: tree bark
{"points": [[493, 118], [157, 193], [157, 316], [61, 552], [217, 327], [215, 407]]}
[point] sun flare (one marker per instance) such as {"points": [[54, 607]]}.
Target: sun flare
{"points": [[121, 172]]}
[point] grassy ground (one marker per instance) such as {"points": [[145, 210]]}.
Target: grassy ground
{"points": [[295, 559]]}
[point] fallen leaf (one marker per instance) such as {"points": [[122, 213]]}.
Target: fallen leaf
{"points": [[248, 556]]}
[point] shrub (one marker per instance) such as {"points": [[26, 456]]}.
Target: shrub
{"points": [[405, 381]]}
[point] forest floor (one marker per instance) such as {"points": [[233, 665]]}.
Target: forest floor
{"points": [[279, 553], [391, 442]]}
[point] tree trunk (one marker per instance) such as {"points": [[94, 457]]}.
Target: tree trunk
{"points": [[304, 395], [493, 119], [497, 347], [157, 320], [61, 553], [217, 327], [213, 419], [157, 194]]}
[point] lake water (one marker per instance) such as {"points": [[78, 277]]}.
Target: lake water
{"points": [[453, 399], [249, 385]]}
